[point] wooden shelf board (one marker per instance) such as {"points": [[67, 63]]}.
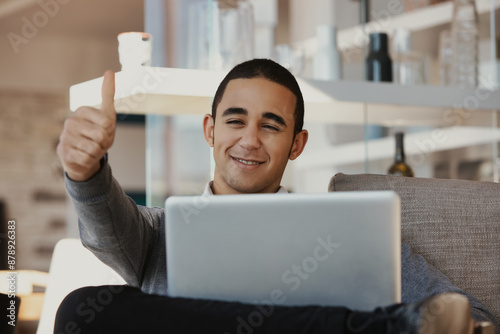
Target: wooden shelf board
{"points": [[417, 146], [170, 91]]}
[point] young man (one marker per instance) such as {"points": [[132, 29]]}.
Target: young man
{"points": [[255, 128]]}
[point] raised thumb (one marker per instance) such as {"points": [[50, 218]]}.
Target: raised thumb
{"points": [[108, 92]]}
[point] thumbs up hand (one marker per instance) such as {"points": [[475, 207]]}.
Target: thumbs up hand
{"points": [[88, 134]]}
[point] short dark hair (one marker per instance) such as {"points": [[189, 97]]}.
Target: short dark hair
{"points": [[272, 71]]}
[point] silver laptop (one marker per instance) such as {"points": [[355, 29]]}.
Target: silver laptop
{"points": [[337, 249]]}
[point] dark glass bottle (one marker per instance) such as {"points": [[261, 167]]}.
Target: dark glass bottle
{"points": [[378, 61], [400, 167]]}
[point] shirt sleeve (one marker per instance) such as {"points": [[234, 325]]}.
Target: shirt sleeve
{"points": [[119, 232]]}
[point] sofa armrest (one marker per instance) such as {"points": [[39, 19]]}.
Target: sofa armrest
{"points": [[453, 224]]}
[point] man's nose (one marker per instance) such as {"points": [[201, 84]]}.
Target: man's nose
{"points": [[250, 138]]}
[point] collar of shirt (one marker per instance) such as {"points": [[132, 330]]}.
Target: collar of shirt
{"points": [[208, 190]]}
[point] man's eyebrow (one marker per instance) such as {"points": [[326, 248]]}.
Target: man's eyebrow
{"points": [[278, 119], [234, 111], [241, 111]]}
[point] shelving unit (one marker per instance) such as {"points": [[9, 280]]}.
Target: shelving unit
{"points": [[464, 116]]}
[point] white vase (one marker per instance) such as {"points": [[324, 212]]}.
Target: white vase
{"points": [[327, 61]]}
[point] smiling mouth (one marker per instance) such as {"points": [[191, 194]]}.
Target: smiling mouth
{"points": [[248, 162]]}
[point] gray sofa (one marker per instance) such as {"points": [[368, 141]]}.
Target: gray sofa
{"points": [[453, 224]]}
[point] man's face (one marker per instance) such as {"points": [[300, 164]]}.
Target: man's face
{"points": [[253, 136]]}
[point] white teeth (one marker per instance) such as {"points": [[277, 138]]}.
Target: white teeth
{"points": [[248, 162]]}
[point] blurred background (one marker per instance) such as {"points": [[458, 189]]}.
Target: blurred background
{"points": [[46, 46]]}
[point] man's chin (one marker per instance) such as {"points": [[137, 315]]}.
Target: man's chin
{"points": [[246, 182], [251, 188]]}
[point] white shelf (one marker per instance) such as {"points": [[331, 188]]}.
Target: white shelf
{"points": [[170, 91], [416, 20], [417, 146], [153, 90]]}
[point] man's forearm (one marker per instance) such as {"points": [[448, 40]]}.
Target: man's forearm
{"points": [[111, 226]]}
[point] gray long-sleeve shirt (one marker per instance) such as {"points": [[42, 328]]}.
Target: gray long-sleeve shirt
{"points": [[131, 240]]}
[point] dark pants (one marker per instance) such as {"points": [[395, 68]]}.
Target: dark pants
{"points": [[123, 309]]}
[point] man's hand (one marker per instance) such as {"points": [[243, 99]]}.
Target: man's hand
{"points": [[88, 134]]}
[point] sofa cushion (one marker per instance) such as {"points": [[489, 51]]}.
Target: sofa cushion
{"points": [[453, 224]]}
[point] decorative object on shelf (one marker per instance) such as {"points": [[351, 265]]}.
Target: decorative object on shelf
{"points": [[327, 61], [220, 34], [407, 64], [293, 59], [445, 58], [378, 61], [134, 49], [400, 167], [464, 41]]}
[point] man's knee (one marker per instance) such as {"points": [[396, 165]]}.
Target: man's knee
{"points": [[79, 308]]}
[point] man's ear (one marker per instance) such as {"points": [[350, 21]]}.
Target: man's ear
{"points": [[208, 129], [298, 144]]}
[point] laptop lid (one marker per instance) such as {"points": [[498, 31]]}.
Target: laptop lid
{"points": [[338, 249]]}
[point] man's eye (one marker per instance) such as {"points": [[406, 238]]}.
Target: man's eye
{"points": [[234, 121], [271, 127]]}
